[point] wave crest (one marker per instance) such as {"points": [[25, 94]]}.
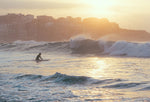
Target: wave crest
{"points": [[81, 45], [130, 49], [66, 79]]}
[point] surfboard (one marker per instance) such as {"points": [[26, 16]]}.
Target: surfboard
{"points": [[45, 60], [42, 60]]}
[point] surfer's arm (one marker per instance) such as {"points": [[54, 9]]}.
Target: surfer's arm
{"points": [[41, 58]]}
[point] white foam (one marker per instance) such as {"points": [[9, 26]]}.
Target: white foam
{"points": [[129, 49]]}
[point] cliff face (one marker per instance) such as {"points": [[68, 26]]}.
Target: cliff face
{"points": [[46, 28]]}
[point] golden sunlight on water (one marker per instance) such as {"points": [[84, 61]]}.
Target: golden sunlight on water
{"points": [[117, 68], [109, 95], [100, 65]]}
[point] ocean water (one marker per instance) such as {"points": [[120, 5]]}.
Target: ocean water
{"points": [[79, 70]]}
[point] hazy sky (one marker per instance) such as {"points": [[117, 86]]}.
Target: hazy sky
{"points": [[133, 14]]}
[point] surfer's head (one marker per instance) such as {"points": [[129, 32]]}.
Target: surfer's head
{"points": [[39, 53]]}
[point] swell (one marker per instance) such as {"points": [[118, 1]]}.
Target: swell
{"points": [[34, 46], [64, 79], [146, 88], [68, 80], [123, 85], [56, 78], [29, 76], [41, 88]]}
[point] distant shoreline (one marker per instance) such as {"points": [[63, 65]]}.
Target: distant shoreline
{"points": [[46, 28]]}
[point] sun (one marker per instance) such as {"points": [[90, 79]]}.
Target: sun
{"points": [[101, 4], [99, 7]]}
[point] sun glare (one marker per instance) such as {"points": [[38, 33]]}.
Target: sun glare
{"points": [[100, 4], [100, 66], [99, 7]]}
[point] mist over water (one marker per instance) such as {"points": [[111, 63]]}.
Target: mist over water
{"points": [[81, 69]]}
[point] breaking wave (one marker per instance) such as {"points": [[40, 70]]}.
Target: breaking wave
{"points": [[129, 49], [83, 45], [118, 48]]}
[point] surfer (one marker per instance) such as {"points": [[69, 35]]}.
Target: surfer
{"points": [[38, 57]]}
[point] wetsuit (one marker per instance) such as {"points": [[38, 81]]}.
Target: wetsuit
{"points": [[38, 57]]}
